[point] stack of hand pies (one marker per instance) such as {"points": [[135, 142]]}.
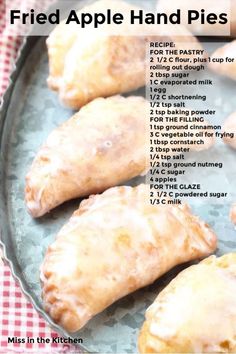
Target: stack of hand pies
{"points": [[117, 242]]}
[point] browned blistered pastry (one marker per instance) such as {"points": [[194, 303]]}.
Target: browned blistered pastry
{"points": [[84, 65], [196, 312], [225, 68], [232, 214], [229, 128], [113, 244], [103, 145]]}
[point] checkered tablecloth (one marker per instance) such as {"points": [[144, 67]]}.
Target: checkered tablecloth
{"points": [[9, 41], [18, 318]]}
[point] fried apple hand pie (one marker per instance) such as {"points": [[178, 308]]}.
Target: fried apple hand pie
{"points": [[113, 244], [99, 147], [84, 65], [103, 145], [196, 312]]}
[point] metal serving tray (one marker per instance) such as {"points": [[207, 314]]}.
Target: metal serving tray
{"points": [[30, 111]]}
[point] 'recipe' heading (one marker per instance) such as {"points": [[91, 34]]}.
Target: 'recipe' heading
{"points": [[109, 17]]}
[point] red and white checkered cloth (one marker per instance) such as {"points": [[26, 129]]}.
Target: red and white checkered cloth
{"points": [[9, 46], [9, 41], [18, 318]]}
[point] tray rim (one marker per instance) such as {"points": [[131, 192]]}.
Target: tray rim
{"points": [[27, 44]]}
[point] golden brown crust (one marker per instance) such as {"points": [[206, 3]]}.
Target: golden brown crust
{"points": [[99, 147], [229, 127], [232, 214], [195, 313], [114, 244]]}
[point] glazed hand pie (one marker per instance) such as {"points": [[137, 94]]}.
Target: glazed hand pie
{"points": [[113, 244], [104, 144], [225, 68], [196, 312], [99, 147], [84, 65]]}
